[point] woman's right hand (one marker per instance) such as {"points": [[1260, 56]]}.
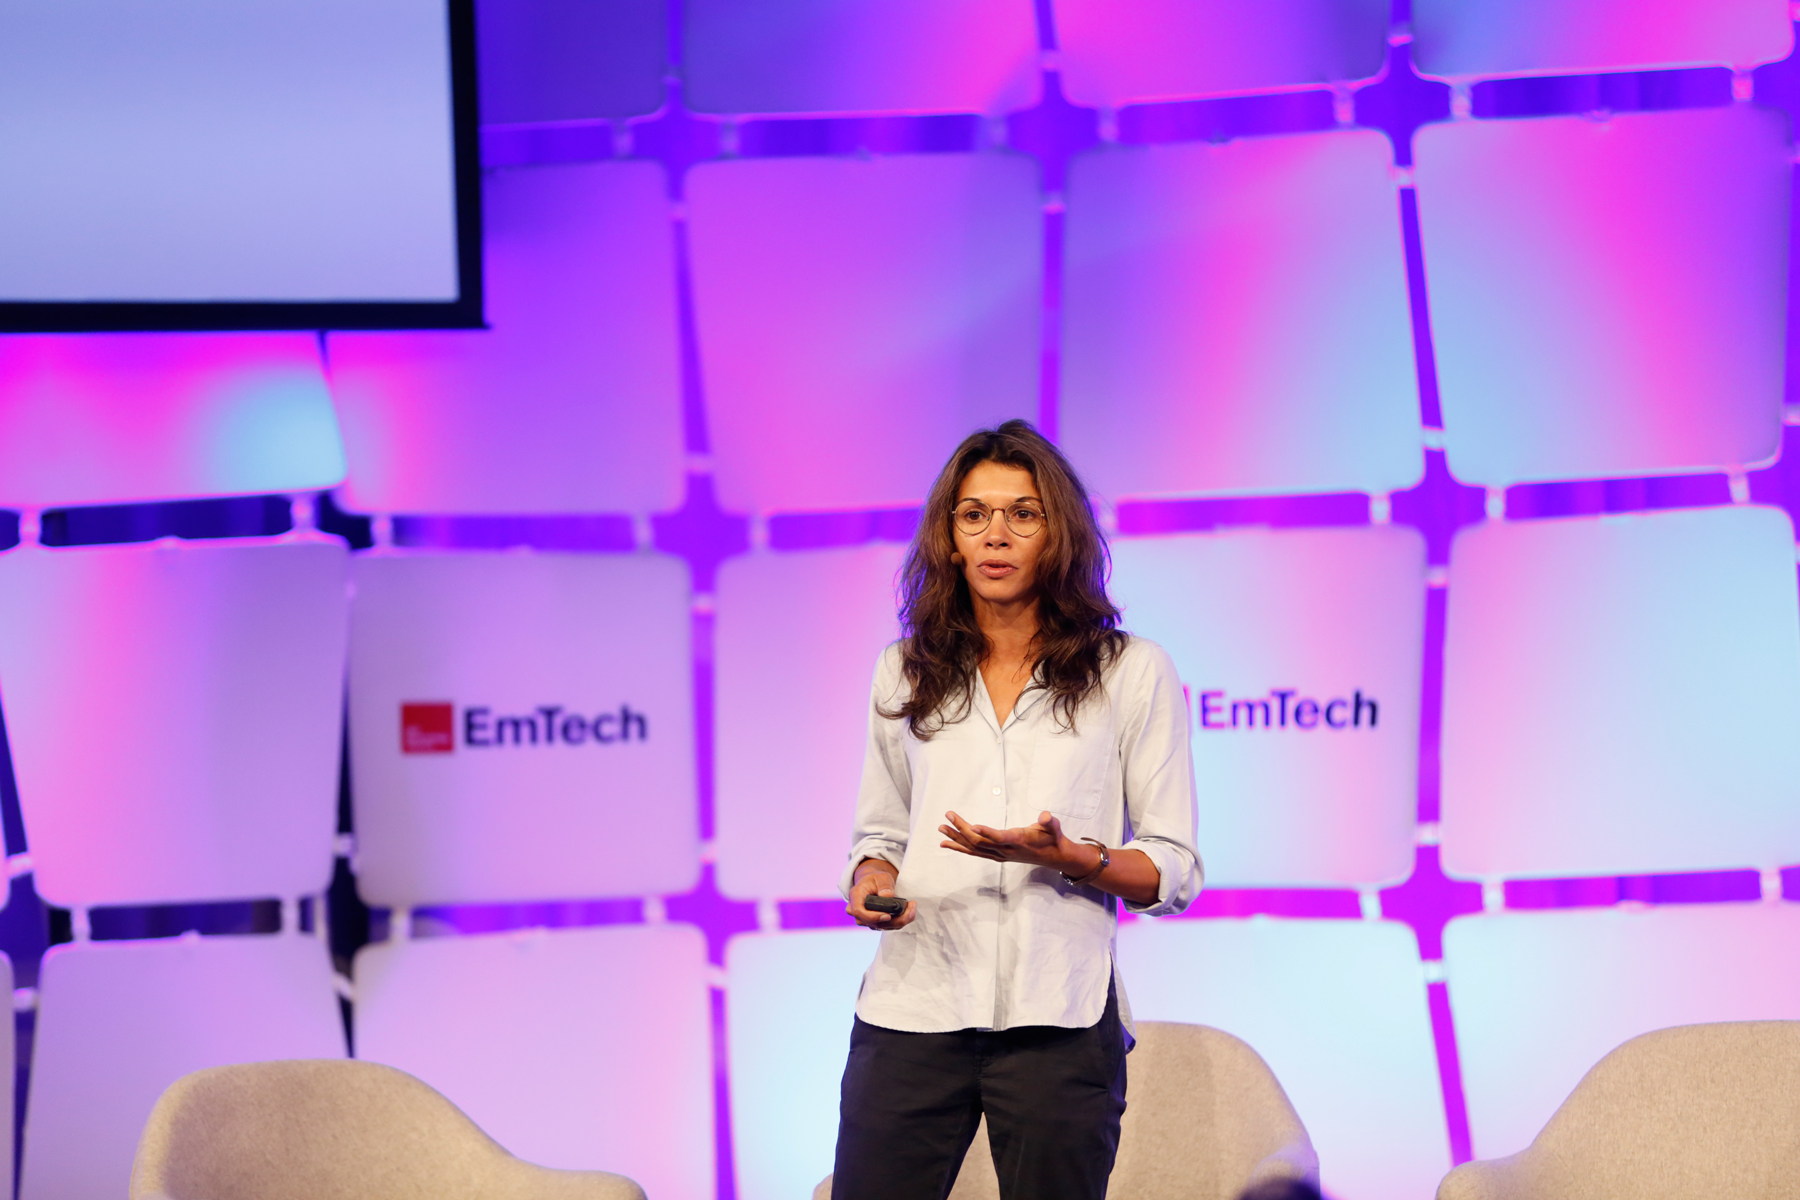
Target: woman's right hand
{"points": [[877, 877]]}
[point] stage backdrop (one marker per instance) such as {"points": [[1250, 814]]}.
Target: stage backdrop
{"points": [[502, 692]]}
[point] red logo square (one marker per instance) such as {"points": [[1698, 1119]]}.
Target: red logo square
{"points": [[427, 728]]}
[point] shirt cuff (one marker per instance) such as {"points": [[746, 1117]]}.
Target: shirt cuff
{"points": [[869, 847], [1178, 885]]}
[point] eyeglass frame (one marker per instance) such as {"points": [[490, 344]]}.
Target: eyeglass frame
{"points": [[972, 504]]}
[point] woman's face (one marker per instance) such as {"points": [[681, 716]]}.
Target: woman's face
{"points": [[1000, 565]]}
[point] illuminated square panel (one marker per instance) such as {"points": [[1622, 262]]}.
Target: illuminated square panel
{"points": [[114, 418], [849, 56], [1337, 1009], [511, 716], [570, 60], [859, 317], [798, 634], [1539, 998], [1235, 319], [1117, 54], [584, 1049], [1619, 695], [570, 401], [1608, 298], [1300, 652], [1460, 39], [175, 714], [791, 1000], [118, 1022]]}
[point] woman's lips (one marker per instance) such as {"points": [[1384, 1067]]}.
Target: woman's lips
{"points": [[995, 569]]}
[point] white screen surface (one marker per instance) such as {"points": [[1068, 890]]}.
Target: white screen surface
{"points": [[212, 150]]}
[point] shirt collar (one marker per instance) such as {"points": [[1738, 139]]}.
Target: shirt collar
{"points": [[1033, 693], [984, 704]]}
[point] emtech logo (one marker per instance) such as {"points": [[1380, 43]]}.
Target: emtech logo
{"points": [[431, 727], [428, 728], [1285, 708]]}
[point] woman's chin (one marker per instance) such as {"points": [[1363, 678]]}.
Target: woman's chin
{"points": [[1011, 590]]}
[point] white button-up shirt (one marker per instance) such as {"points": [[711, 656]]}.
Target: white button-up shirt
{"points": [[999, 945]]}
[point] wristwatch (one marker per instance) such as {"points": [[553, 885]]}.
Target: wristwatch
{"points": [[1105, 862]]}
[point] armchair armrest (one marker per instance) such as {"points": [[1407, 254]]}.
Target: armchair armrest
{"points": [[1296, 1160], [1495, 1179]]}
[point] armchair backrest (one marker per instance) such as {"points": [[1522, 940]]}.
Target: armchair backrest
{"points": [[301, 1129]]}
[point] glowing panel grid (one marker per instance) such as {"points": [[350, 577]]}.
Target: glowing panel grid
{"points": [[1117, 54], [792, 1003], [780, 1167], [1236, 319], [848, 56], [1337, 1009], [1300, 652], [1462, 39], [1539, 998], [856, 317], [118, 1022], [510, 713], [784, 818], [579, 1049], [175, 714], [1619, 695], [570, 60], [570, 402], [1608, 298], [112, 418]]}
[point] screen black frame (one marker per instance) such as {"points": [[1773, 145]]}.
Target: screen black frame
{"points": [[464, 312]]}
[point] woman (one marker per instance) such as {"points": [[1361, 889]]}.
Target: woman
{"points": [[1017, 739]]}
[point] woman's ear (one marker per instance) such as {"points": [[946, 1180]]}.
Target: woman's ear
{"points": [[956, 558]]}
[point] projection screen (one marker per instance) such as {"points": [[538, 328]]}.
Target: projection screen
{"points": [[212, 164]]}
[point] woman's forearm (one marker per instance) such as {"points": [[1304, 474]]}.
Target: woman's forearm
{"points": [[1130, 876], [874, 864]]}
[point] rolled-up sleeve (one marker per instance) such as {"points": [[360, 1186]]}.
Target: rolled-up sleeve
{"points": [[884, 799], [1159, 780]]}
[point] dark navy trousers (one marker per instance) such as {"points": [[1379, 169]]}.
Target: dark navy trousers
{"points": [[911, 1103]]}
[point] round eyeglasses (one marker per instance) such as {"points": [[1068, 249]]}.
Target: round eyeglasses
{"points": [[973, 518]]}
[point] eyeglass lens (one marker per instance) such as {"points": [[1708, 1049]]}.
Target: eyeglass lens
{"points": [[975, 517]]}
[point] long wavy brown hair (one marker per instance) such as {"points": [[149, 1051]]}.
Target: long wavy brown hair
{"points": [[1078, 626]]}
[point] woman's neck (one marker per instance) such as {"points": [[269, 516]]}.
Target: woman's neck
{"points": [[1008, 628]]}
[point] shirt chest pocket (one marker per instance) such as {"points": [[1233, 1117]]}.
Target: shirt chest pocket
{"points": [[1068, 774]]}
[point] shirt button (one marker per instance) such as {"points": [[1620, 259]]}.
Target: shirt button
{"points": [[996, 791]]}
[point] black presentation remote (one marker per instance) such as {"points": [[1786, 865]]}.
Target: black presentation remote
{"points": [[891, 905]]}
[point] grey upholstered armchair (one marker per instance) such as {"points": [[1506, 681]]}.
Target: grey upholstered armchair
{"points": [[1697, 1110]]}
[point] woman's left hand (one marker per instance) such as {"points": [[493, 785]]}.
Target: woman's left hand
{"points": [[1040, 845]]}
